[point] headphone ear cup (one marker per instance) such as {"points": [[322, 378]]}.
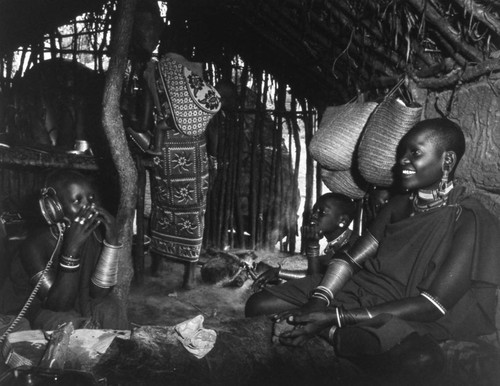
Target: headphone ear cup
{"points": [[50, 206]]}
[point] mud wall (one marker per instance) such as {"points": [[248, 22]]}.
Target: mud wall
{"points": [[476, 107]]}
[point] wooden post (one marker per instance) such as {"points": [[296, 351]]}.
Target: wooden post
{"points": [[115, 133]]}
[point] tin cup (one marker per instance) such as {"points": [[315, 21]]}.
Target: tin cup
{"points": [[82, 146]]}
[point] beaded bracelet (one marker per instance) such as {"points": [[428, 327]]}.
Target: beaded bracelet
{"points": [[434, 301]]}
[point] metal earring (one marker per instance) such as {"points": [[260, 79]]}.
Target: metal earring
{"points": [[444, 179], [341, 225]]}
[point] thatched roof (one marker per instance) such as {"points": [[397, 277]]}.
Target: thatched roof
{"points": [[327, 50]]}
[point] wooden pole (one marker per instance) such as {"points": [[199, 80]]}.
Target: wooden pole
{"points": [[115, 133]]}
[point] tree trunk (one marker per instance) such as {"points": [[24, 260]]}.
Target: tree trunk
{"points": [[115, 133]]}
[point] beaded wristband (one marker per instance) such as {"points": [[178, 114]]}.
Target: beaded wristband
{"points": [[434, 301]]}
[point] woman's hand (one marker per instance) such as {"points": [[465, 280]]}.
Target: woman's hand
{"points": [[307, 325], [311, 306], [80, 229]]}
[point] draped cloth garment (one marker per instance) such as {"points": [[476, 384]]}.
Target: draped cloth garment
{"points": [[179, 191], [410, 254], [180, 173]]}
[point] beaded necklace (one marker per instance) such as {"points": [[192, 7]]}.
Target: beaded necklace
{"points": [[426, 200], [340, 241]]}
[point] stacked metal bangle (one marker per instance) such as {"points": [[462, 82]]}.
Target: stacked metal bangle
{"points": [[106, 272], [69, 263], [312, 250], [323, 293]]}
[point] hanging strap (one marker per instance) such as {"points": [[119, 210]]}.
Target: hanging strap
{"points": [[149, 76]]}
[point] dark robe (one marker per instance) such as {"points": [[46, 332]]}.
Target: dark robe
{"points": [[409, 256]]}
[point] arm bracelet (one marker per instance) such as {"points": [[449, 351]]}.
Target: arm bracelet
{"points": [[435, 302], [312, 250], [287, 274], [47, 282], [106, 271], [363, 249], [69, 263], [350, 317], [338, 273], [346, 264]]}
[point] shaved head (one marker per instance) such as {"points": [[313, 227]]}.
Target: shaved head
{"points": [[447, 134], [344, 203]]}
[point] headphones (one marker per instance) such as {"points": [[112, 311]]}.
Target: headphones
{"points": [[50, 206]]}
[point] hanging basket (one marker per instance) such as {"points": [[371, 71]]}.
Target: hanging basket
{"points": [[377, 148], [347, 182], [334, 143]]}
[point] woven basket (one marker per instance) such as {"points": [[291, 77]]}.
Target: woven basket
{"points": [[334, 143], [347, 182], [377, 148]]}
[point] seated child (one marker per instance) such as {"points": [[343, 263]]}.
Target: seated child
{"points": [[330, 218], [77, 284]]}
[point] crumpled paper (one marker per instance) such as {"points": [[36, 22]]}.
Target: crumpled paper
{"points": [[196, 339]]}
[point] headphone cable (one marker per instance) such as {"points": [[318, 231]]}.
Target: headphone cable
{"points": [[61, 228]]}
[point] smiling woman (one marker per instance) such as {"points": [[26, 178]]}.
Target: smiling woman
{"points": [[423, 272], [428, 160]]}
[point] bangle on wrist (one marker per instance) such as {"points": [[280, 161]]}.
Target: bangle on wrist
{"points": [[119, 246], [69, 268], [69, 263], [337, 311], [106, 272], [323, 293], [321, 296], [331, 334], [312, 251]]}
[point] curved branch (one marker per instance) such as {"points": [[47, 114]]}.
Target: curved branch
{"points": [[459, 75], [481, 14], [445, 29], [115, 133]]}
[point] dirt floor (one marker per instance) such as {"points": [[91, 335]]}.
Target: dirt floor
{"points": [[160, 300]]}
